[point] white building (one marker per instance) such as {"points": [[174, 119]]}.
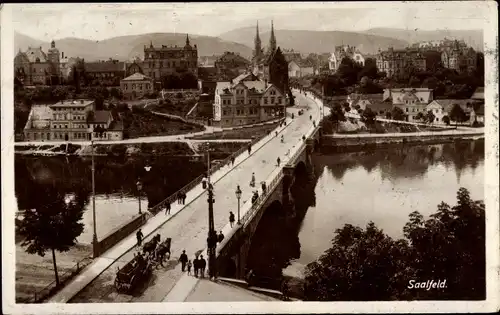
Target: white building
{"points": [[410, 100], [247, 100], [342, 52]]}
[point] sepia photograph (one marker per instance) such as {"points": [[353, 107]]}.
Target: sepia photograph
{"points": [[259, 155]]}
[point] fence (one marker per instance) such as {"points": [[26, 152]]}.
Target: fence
{"points": [[157, 208], [52, 288]]}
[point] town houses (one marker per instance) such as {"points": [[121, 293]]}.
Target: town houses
{"points": [[35, 67], [71, 120], [345, 51]]}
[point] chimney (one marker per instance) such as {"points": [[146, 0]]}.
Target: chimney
{"points": [[81, 101], [63, 55]]}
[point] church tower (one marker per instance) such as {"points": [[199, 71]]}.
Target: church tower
{"points": [[53, 58], [257, 53], [272, 40]]}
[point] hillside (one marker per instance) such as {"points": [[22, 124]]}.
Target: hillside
{"points": [[315, 41], [474, 38], [128, 47]]}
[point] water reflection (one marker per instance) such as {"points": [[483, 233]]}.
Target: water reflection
{"points": [[115, 184], [382, 186]]}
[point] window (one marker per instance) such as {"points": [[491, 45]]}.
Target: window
{"points": [[133, 86], [238, 112], [140, 87], [265, 100], [407, 109], [279, 100], [272, 100]]}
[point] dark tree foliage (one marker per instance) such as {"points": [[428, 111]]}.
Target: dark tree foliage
{"points": [[369, 116], [457, 114], [369, 265], [53, 226], [398, 114]]}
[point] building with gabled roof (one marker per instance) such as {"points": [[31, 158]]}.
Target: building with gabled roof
{"points": [[35, 67], [410, 100], [247, 100], [136, 85], [71, 120]]}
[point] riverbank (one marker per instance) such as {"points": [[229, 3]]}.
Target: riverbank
{"points": [[351, 143], [170, 148]]}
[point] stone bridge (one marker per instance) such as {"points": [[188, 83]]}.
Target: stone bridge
{"points": [[232, 253]]}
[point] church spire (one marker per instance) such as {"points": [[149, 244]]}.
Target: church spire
{"points": [[187, 39], [257, 45], [272, 39]]}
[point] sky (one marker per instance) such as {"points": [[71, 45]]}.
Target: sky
{"points": [[102, 21]]}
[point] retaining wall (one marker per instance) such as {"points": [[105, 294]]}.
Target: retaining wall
{"points": [[119, 234]]}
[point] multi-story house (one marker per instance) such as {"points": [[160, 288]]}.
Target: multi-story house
{"points": [[71, 120], [299, 68], [136, 85], [35, 67], [165, 60], [247, 100], [396, 62], [106, 73], [410, 100], [342, 52]]}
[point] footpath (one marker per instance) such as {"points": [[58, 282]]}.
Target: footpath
{"points": [[100, 264]]}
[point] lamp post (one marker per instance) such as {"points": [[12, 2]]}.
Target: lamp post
{"points": [[212, 235], [139, 189], [94, 237], [238, 195]]}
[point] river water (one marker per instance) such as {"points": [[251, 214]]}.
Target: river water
{"points": [[383, 186], [115, 184]]}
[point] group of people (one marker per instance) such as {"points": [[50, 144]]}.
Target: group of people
{"points": [[198, 264], [181, 198]]}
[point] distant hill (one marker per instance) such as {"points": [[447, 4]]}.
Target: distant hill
{"points": [[473, 38], [307, 42], [128, 47]]}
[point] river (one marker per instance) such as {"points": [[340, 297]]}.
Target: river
{"points": [[115, 184], [383, 186]]}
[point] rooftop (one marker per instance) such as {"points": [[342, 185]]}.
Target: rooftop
{"points": [[73, 103], [100, 116], [137, 77], [105, 66]]}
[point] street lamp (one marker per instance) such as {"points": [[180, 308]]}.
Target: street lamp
{"points": [[212, 235], [94, 237], [139, 189], [238, 195]]}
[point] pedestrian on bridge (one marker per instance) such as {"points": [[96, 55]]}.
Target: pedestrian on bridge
{"points": [[278, 160], [178, 196], [232, 161], [276, 133], [203, 265], [196, 266], [231, 218], [184, 197], [310, 117], [249, 149], [167, 207], [204, 182], [139, 236], [314, 123], [183, 259], [220, 237], [189, 264]]}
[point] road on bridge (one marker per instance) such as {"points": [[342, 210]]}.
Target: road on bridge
{"points": [[189, 228]]}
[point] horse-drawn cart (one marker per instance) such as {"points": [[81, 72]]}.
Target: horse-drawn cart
{"points": [[133, 273]]}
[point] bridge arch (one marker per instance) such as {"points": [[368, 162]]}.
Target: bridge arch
{"points": [[300, 170]]}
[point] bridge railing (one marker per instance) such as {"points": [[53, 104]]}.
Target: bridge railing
{"points": [[258, 203], [172, 198]]}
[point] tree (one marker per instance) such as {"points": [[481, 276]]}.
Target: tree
{"points": [[369, 116], [398, 114], [337, 115], [429, 117], [457, 114], [369, 265], [53, 226], [420, 116], [369, 69], [446, 119]]}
